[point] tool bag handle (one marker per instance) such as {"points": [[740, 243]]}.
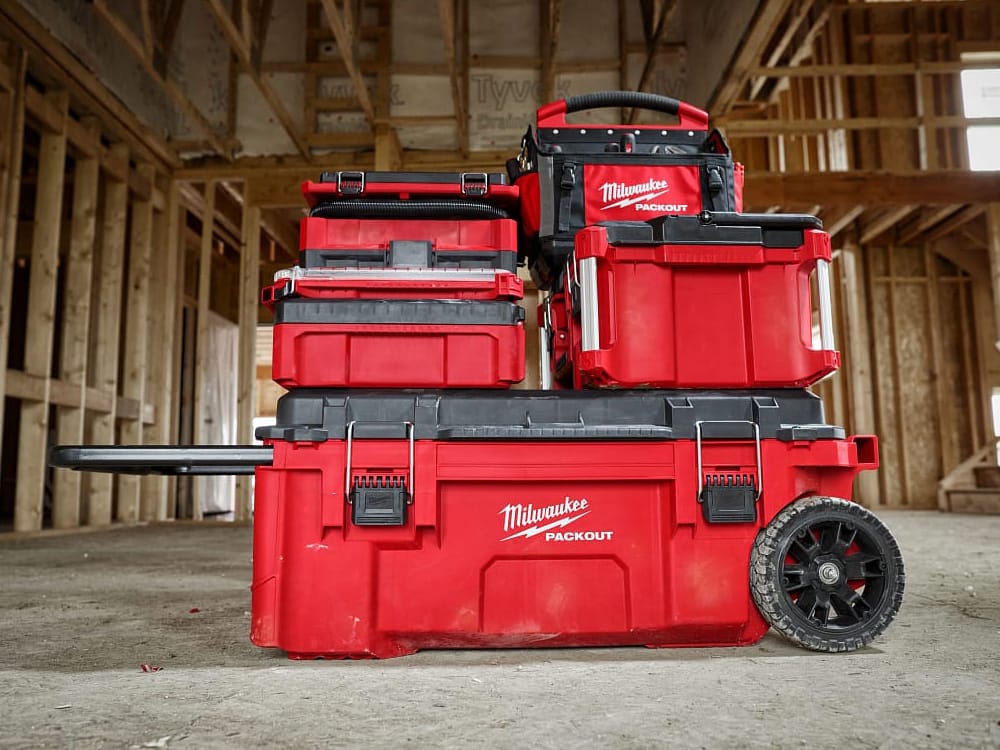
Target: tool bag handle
{"points": [[553, 115]]}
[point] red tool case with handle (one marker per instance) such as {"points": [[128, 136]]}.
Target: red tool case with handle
{"points": [[716, 301], [393, 343], [362, 219], [388, 523], [572, 176]]}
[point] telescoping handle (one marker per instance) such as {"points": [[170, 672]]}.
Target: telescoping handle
{"points": [[553, 114]]}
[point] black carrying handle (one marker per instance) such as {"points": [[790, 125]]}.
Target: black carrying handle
{"points": [[554, 114]]}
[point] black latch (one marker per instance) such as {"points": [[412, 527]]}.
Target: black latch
{"points": [[715, 183], [379, 500], [350, 183], [729, 498], [475, 183], [568, 180]]}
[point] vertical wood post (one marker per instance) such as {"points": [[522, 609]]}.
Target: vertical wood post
{"points": [[40, 334], [135, 340], [249, 294], [75, 332], [201, 337], [12, 141], [155, 503], [105, 342], [993, 242]]}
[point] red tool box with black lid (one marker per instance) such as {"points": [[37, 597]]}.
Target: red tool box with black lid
{"points": [[392, 522], [356, 219]]}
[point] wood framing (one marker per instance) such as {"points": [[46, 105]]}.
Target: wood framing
{"points": [[242, 46], [31, 467], [74, 344], [446, 10], [136, 339], [249, 301], [12, 141], [344, 35], [201, 357]]}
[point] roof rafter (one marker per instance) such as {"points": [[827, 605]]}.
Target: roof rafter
{"points": [[653, 36], [138, 49], [343, 33], [446, 11]]}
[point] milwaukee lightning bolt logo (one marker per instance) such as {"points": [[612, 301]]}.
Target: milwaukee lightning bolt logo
{"points": [[623, 195], [527, 521]]}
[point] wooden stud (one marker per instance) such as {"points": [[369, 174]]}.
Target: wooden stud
{"points": [[249, 295], [344, 37], [446, 11], [893, 341], [947, 427], [136, 339], [31, 466], [105, 341], [876, 396], [993, 243], [201, 356], [10, 198], [75, 329], [548, 41]]}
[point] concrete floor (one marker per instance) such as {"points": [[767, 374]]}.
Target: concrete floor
{"points": [[80, 614]]}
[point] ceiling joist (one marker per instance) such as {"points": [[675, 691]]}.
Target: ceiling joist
{"points": [[344, 33]]}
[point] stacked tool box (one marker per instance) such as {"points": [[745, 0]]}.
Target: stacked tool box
{"points": [[672, 484], [603, 509]]}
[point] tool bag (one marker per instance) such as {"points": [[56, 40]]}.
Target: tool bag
{"points": [[572, 176]]}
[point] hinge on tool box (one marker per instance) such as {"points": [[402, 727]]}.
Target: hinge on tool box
{"points": [[378, 499], [728, 497]]}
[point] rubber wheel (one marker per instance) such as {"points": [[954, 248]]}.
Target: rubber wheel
{"points": [[827, 574]]}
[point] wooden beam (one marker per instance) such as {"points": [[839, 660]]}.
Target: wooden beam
{"points": [[957, 221], [12, 141], [948, 432], [548, 40], [176, 94], [747, 57], [344, 38], [782, 45], [836, 225], [92, 93], [871, 188], [249, 302], [883, 223], [171, 23], [136, 338], [74, 347], [865, 70], [993, 242], [446, 11], [202, 354], [105, 343], [242, 49], [40, 332], [858, 355], [667, 9], [926, 221]]}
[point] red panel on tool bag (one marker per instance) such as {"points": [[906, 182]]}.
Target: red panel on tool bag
{"points": [[398, 355], [509, 544], [617, 192], [697, 316]]}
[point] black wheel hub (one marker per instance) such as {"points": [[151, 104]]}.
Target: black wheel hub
{"points": [[833, 574]]}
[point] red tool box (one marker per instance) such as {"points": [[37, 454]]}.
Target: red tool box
{"points": [[391, 523], [364, 219], [387, 343], [572, 176], [716, 301]]}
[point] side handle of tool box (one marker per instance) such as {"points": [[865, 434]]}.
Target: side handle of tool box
{"points": [[553, 115], [867, 447]]}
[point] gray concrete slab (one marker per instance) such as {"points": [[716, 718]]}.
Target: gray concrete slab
{"points": [[80, 614]]}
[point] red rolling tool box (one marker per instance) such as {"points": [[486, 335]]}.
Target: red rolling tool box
{"points": [[391, 523], [361, 219], [720, 300], [572, 176]]}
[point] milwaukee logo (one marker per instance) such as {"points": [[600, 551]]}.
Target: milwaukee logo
{"points": [[622, 194], [528, 521]]}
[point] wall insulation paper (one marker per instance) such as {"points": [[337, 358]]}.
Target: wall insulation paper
{"points": [[286, 33], [416, 32], [219, 417], [504, 27], [669, 78], [199, 63], [587, 31], [502, 103], [422, 96], [87, 37], [257, 127], [572, 84], [341, 122]]}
